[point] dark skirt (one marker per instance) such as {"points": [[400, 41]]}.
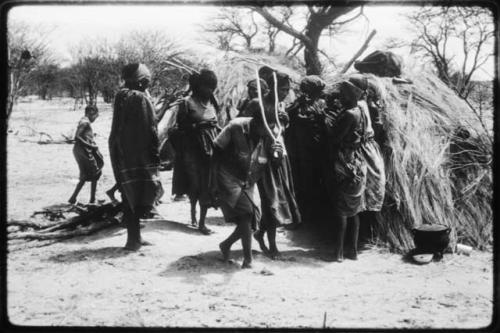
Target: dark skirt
{"points": [[348, 183], [375, 176], [90, 162], [192, 165], [245, 207], [277, 196]]}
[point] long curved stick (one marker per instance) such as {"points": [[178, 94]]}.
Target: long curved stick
{"points": [[275, 79], [263, 114]]}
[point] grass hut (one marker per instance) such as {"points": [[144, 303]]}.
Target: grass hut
{"points": [[438, 159], [438, 154]]}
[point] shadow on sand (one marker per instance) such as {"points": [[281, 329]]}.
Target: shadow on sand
{"points": [[193, 268], [109, 252]]}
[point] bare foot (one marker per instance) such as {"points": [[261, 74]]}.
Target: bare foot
{"points": [[111, 197], [246, 264], [145, 243], [205, 231], [225, 251], [332, 258], [259, 237], [133, 246], [180, 198], [352, 255], [274, 254]]}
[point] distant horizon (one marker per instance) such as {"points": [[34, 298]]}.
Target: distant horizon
{"points": [[74, 23]]}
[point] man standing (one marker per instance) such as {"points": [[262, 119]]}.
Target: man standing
{"points": [[134, 150]]}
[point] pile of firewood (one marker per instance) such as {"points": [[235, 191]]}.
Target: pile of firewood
{"points": [[56, 225]]}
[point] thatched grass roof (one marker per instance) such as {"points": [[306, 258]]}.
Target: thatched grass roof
{"points": [[429, 179], [431, 176]]}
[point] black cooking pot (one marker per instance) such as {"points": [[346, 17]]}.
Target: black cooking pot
{"points": [[431, 238]]}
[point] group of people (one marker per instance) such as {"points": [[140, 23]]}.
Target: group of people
{"points": [[305, 156]]}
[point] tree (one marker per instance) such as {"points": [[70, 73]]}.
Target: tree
{"points": [[27, 49], [317, 19], [230, 23], [272, 31], [155, 49], [44, 80], [438, 28], [96, 69]]}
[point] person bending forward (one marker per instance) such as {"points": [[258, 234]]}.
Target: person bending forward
{"points": [[241, 152]]}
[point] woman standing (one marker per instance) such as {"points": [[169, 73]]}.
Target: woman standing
{"points": [[371, 105], [87, 154], [305, 144], [347, 176], [276, 188], [192, 138], [251, 94], [133, 146]]}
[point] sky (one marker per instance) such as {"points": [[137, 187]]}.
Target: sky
{"points": [[73, 23]]}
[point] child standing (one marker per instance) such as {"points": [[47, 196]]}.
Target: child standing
{"points": [[87, 154]]}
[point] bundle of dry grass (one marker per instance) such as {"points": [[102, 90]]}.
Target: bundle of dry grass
{"points": [[234, 70], [435, 172]]}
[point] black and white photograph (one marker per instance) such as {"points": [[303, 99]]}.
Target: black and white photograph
{"points": [[231, 165]]}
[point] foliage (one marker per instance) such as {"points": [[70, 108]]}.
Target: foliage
{"points": [[318, 19], [27, 50], [230, 23], [438, 28], [154, 48]]}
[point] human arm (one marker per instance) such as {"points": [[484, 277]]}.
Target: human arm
{"points": [[82, 128], [338, 129]]}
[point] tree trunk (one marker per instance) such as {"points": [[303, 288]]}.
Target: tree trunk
{"points": [[311, 57], [249, 42]]}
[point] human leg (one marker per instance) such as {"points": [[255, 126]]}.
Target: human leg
{"points": [[339, 250], [225, 246], [193, 201], [132, 222], [77, 190], [271, 238], [111, 193], [353, 237], [201, 226], [259, 234], [246, 241], [93, 188]]}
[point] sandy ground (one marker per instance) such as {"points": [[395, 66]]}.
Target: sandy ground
{"points": [[180, 281]]}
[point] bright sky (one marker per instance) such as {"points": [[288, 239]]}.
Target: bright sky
{"points": [[73, 23]]}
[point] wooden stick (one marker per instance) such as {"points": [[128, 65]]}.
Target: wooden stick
{"points": [[360, 51], [261, 104], [184, 65], [25, 224], [63, 235], [275, 78]]}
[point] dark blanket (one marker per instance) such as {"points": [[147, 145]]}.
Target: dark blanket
{"points": [[134, 149]]}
